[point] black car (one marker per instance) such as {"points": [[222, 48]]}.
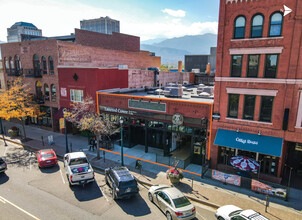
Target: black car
{"points": [[3, 165], [122, 182]]}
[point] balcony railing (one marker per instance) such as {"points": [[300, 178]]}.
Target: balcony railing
{"points": [[14, 72], [35, 73]]}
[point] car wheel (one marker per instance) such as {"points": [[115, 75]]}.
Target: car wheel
{"points": [[169, 216], [113, 194], [106, 180], [220, 218], [150, 197]]}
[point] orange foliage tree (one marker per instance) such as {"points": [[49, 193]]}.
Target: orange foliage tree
{"points": [[16, 102]]}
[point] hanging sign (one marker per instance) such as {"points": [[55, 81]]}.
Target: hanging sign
{"points": [[62, 124], [177, 119]]}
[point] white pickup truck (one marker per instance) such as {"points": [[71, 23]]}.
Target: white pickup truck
{"points": [[78, 169]]}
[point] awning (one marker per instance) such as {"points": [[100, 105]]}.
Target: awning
{"points": [[249, 142]]}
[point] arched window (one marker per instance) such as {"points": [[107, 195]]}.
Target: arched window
{"points": [[50, 65], [44, 65], [46, 92], [12, 65], [8, 85], [6, 61], [239, 27], [18, 65], [257, 26], [53, 92], [275, 26]]}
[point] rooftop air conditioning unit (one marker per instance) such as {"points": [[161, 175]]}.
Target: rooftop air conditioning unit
{"points": [[173, 91]]}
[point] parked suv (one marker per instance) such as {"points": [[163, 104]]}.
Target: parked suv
{"points": [[121, 181], [3, 165]]}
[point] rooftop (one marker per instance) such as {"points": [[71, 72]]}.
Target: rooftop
{"points": [[21, 23]]}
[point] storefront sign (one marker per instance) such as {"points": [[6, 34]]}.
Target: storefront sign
{"points": [[177, 119], [266, 189], [227, 178], [246, 141], [118, 110], [147, 105], [63, 92], [62, 123]]}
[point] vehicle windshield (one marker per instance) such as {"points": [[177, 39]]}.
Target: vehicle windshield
{"points": [[235, 213], [181, 202], [78, 161], [48, 155], [128, 184]]}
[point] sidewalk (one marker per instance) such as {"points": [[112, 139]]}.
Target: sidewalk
{"points": [[206, 191]]}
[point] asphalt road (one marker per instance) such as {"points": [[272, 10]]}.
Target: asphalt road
{"points": [[26, 192]]}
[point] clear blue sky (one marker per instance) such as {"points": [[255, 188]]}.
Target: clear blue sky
{"points": [[147, 19]]}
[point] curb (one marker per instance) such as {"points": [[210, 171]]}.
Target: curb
{"points": [[101, 170]]}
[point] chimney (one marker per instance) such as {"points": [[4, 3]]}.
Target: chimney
{"points": [[179, 66], [208, 69]]}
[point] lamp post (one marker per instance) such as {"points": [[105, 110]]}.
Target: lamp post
{"points": [[288, 183], [122, 147], [2, 132], [66, 140]]}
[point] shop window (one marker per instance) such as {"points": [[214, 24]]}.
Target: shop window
{"points": [[248, 154], [46, 117], [239, 27], [257, 26], [236, 66], [12, 65], [249, 107], [226, 154], [253, 65], [76, 95], [50, 65], [271, 64], [275, 27], [268, 164], [46, 92], [233, 105], [53, 92], [44, 65], [6, 61], [266, 108]]}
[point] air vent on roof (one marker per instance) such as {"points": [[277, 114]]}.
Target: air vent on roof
{"points": [[173, 90]]}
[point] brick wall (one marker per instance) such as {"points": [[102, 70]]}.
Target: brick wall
{"points": [[116, 41]]}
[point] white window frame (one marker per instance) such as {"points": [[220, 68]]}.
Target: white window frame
{"points": [[74, 96]]}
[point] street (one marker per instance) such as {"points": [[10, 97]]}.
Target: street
{"points": [[27, 192]]}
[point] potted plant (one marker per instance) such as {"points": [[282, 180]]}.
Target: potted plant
{"points": [[14, 131], [174, 174]]}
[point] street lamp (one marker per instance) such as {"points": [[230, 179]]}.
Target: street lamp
{"points": [[2, 132], [122, 147], [66, 140]]}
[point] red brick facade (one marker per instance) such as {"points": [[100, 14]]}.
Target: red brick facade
{"points": [[286, 87]]}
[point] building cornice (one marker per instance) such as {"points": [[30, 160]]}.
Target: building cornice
{"points": [[258, 80], [256, 50], [259, 92]]}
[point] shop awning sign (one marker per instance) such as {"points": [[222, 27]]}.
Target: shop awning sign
{"points": [[178, 119], [250, 142]]}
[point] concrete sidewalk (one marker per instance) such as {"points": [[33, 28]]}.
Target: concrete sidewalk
{"points": [[206, 191]]}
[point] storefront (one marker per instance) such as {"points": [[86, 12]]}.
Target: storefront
{"points": [[169, 127], [266, 150]]}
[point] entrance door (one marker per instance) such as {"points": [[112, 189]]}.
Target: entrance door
{"points": [[199, 149], [137, 135]]}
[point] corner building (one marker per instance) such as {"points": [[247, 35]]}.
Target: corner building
{"points": [[258, 87]]}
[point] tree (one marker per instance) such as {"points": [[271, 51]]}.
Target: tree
{"points": [[16, 102], [84, 117], [164, 67]]}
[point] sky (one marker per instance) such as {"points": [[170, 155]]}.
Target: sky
{"points": [[148, 19]]}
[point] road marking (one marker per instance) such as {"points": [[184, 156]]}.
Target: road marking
{"points": [[5, 151], [34, 217], [62, 176], [103, 192], [2, 201], [200, 216]]}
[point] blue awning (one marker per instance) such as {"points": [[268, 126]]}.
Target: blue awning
{"points": [[249, 142]]}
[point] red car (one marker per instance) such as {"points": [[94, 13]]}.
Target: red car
{"points": [[46, 158]]}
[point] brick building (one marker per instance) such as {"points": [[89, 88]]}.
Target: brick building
{"points": [[37, 62], [258, 86]]}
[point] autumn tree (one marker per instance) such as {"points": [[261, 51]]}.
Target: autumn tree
{"points": [[84, 117], [16, 102]]}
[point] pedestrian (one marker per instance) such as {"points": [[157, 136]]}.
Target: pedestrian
{"points": [[94, 143], [91, 144]]}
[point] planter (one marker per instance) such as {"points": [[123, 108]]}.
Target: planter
{"points": [[174, 180], [14, 133]]}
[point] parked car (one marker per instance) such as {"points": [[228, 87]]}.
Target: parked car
{"points": [[78, 169], [231, 212], [3, 165], [46, 158], [122, 182], [172, 202]]}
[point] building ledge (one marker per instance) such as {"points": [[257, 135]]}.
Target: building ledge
{"points": [[249, 121]]}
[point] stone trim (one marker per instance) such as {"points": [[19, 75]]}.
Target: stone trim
{"points": [[258, 80], [257, 50], [260, 92]]}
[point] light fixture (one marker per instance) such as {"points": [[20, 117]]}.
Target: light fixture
{"points": [[259, 133], [237, 130]]}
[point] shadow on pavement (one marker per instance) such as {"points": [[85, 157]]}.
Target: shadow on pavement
{"points": [[20, 158], [186, 188], [52, 169], [135, 206], [3, 178], [87, 192]]}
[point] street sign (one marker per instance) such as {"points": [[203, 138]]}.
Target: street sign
{"points": [[62, 124]]}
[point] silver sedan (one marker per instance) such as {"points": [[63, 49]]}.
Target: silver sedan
{"points": [[172, 202]]}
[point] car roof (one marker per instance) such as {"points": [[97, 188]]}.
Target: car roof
{"points": [[251, 214], [123, 174], [173, 192], [74, 155]]}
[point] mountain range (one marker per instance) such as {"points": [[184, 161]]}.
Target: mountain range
{"points": [[173, 50]]}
